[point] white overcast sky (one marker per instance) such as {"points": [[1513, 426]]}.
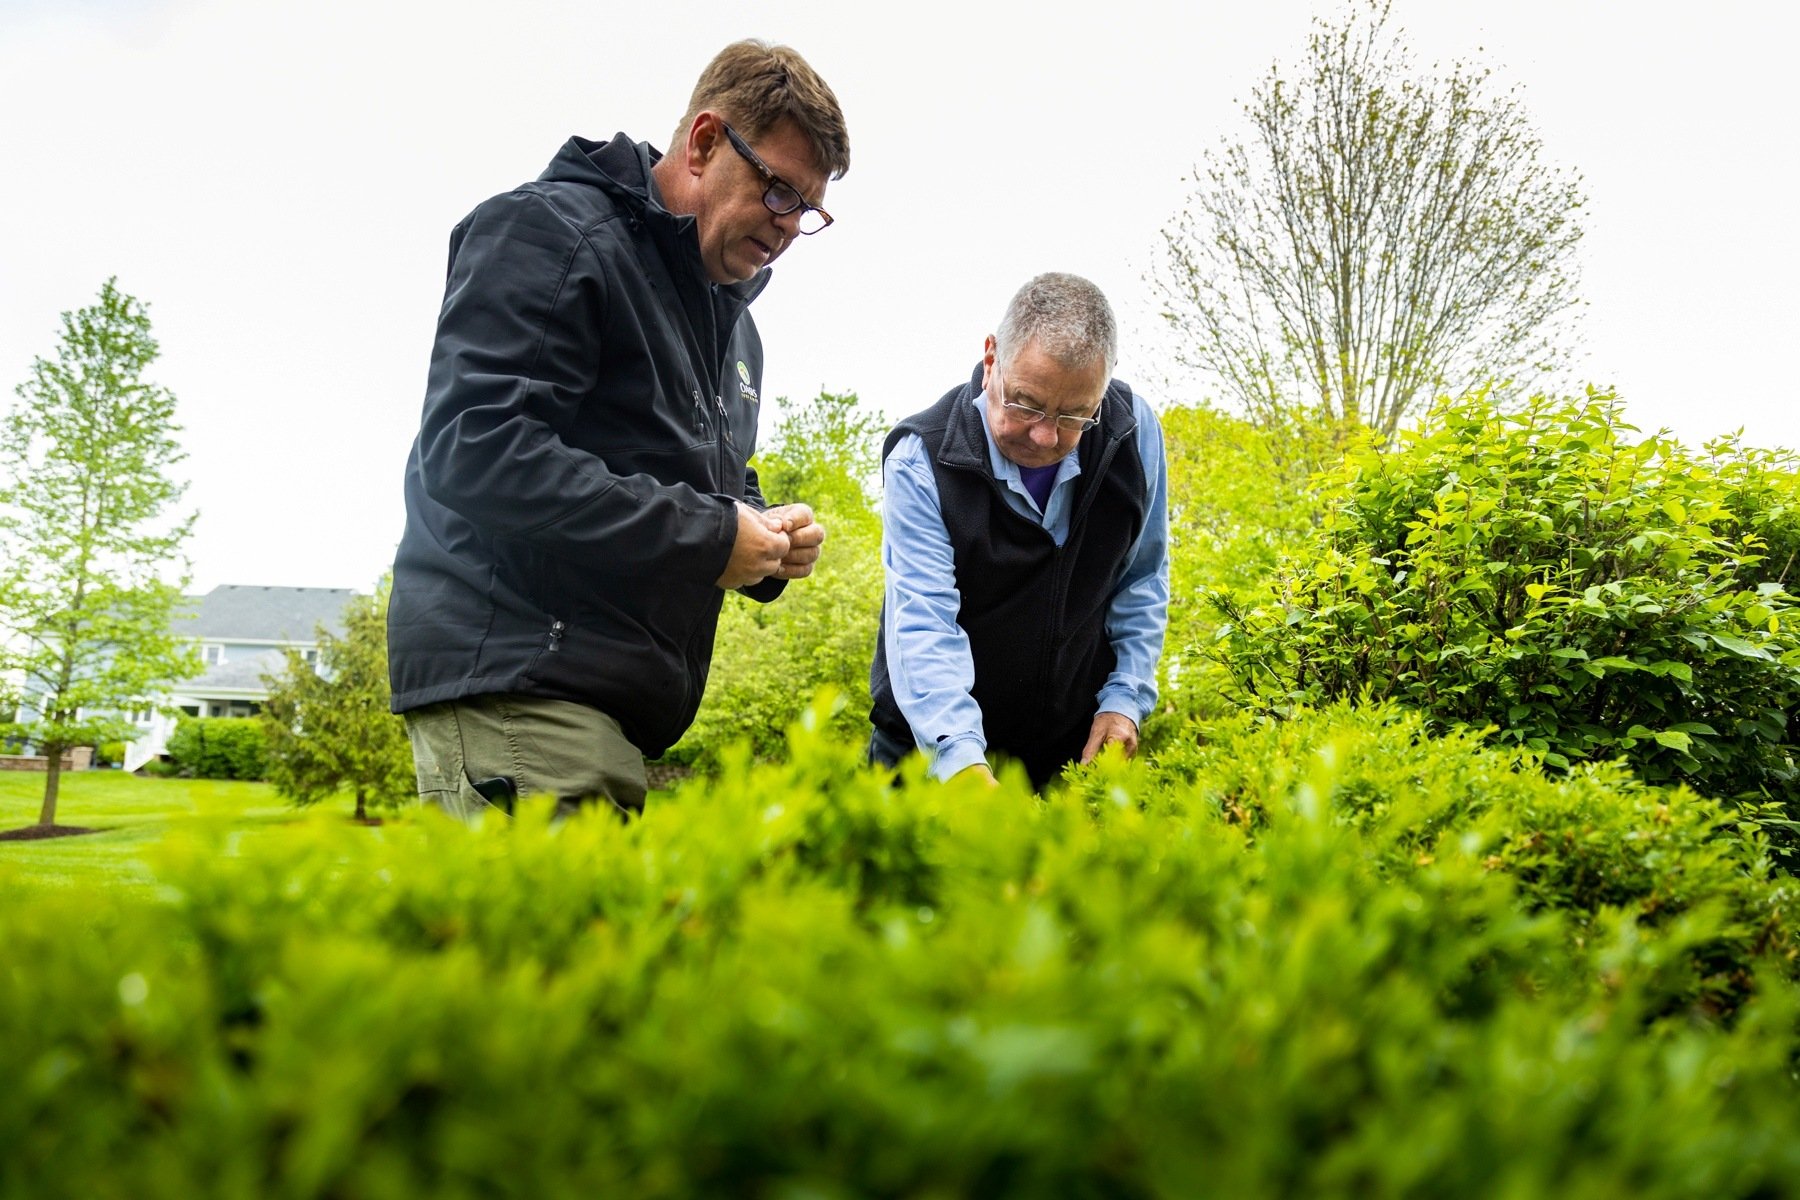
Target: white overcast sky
{"points": [[278, 180]]}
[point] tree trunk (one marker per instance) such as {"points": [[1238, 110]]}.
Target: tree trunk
{"points": [[52, 784], [362, 813]]}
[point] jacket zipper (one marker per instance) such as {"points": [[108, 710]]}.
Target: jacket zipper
{"points": [[724, 442], [556, 633]]}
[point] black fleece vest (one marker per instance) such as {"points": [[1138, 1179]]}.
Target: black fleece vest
{"points": [[1034, 612]]}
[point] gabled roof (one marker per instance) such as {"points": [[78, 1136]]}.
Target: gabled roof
{"points": [[247, 612], [241, 674]]}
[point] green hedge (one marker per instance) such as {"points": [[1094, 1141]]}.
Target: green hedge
{"points": [[219, 748], [1333, 957], [1587, 595]]}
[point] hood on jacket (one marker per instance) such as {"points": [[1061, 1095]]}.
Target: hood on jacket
{"points": [[621, 168]]}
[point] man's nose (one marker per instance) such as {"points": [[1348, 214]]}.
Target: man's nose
{"points": [[789, 223], [1044, 432]]}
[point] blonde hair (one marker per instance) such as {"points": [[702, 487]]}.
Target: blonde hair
{"points": [[756, 86]]}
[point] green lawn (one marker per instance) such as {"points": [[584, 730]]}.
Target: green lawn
{"points": [[131, 814]]}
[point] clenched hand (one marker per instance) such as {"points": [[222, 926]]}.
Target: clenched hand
{"points": [[760, 549], [805, 537]]}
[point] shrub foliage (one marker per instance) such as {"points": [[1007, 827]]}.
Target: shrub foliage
{"points": [[1239, 497], [1588, 596], [1332, 956], [770, 660], [219, 748]]}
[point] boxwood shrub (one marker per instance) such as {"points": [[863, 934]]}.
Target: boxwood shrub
{"points": [[1331, 957]]}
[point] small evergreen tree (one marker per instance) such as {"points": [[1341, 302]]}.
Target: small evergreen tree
{"points": [[86, 538], [329, 728]]}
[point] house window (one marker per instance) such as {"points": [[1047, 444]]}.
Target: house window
{"points": [[311, 655], [212, 655], [192, 710]]}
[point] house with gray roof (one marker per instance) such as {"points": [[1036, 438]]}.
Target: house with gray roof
{"points": [[244, 632]]}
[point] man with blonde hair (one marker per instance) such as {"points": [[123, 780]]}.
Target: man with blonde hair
{"points": [[579, 498], [1025, 546]]}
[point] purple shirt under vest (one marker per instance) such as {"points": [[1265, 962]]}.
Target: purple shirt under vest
{"points": [[1038, 481]]}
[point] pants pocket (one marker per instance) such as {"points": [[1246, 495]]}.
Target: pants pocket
{"points": [[440, 762]]}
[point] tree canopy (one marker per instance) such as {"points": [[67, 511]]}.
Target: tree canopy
{"points": [[1377, 236], [89, 538]]}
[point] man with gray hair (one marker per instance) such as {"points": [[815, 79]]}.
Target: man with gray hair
{"points": [[1025, 543]]}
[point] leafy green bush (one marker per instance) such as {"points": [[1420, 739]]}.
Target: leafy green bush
{"points": [[1239, 497], [219, 748], [771, 660], [1589, 597], [1287, 964], [1597, 842]]}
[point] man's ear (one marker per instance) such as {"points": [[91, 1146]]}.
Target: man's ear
{"points": [[987, 360], [704, 137]]}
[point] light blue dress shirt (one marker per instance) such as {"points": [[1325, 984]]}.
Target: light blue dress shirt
{"points": [[929, 663]]}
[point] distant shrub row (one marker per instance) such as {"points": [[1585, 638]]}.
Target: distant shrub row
{"points": [[219, 748], [1329, 957]]}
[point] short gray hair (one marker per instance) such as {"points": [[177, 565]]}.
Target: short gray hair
{"points": [[1067, 317]]}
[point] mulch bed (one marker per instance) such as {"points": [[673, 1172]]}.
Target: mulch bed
{"points": [[32, 833]]}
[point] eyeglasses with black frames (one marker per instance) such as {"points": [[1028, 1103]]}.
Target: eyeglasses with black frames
{"points": [[779, 196]]}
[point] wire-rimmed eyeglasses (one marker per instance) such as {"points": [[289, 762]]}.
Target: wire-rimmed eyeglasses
{"points": [[1026, 415], [1031, 416]]}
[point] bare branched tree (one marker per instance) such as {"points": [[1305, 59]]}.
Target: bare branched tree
{"points": [[1377, 237]]}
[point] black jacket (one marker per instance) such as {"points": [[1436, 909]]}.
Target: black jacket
{"points": [[1034, 612], [591, 407]]}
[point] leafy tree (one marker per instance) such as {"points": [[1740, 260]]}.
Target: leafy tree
{"points": [[1378, 237], [769, 660], [330, 728], [86, 536]]}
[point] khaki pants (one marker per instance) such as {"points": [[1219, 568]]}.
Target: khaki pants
{"points": [[575, 753]]}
